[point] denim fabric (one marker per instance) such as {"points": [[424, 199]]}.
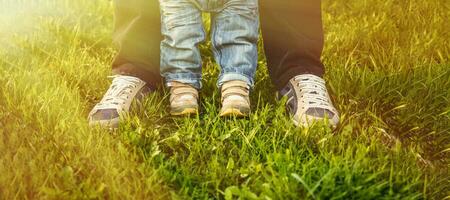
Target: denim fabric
{"points": [[234, 37]]}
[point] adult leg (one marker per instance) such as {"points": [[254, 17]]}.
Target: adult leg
{"points": [[138, 34], [293, 38]]}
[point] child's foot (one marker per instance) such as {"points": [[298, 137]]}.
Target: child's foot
{"points": [[308, 101], [117, 101], [183, 99], [235, 99]]}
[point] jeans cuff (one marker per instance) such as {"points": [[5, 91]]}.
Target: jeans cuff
{"points": [[234, 77], [187, 78]]}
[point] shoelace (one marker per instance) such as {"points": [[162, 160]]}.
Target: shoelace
{"points": [[119, 92], [313, 90]]}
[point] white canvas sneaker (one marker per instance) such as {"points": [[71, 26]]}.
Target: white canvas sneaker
{"points": [[309, 101], [117, 101]]}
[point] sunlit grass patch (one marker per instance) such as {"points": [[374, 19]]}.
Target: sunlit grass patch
{"points": [[388, 71]]}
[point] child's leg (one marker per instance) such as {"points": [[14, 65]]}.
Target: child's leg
{"points": [[182, 29], [235, 32]]}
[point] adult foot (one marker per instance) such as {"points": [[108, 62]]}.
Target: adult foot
{"points": [[183, 99], [117, 101], [235, 99], [309, 101]]}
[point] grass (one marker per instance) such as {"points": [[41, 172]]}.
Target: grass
{"points": [[388, 69]]}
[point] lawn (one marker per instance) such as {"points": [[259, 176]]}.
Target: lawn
{"points": [[388, 69]]}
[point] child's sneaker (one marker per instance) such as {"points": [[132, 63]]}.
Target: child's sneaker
{"points": [[117, 101], [183, 99], [308, 101], [235, 99]]}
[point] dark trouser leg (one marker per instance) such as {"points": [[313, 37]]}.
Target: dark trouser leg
{"points": [[293, 38], [137, 32]]}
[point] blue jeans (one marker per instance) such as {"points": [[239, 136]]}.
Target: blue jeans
{"points": [[234, 37]]}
